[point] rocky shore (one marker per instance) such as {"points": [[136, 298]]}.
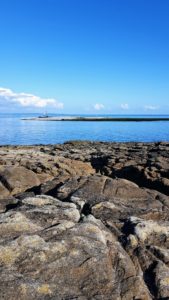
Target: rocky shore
{"points": [[84, 220]]}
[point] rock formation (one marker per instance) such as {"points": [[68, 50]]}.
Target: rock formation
{"points": [[84, 221]]}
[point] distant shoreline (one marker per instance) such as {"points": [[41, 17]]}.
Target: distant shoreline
{"points": [[99, 119]]}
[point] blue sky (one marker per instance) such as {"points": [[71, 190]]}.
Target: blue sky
{"points": [[92, 56]]}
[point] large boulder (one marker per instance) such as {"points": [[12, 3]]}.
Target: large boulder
{"points": [[48, 252], [18, 179], [113, 199]]}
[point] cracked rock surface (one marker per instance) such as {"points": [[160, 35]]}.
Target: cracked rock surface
{"points": [[84, 221]]}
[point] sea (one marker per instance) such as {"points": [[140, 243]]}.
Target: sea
{"points": [[15, 131]]}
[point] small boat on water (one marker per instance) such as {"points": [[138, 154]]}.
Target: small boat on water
{"points": [[45, 115]]}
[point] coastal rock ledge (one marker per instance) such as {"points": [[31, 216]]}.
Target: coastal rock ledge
{"points": [[84, 220]]}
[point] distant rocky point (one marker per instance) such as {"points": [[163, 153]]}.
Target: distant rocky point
{"points": [[84, 220]]}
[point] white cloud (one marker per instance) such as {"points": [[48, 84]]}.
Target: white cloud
{"points": [[98, 106], [28, 99], [124, 106], [151, 107]]}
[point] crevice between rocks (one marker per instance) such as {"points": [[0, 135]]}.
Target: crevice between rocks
{"points": [[86, 210], [149, 279], [11, 206], [5, 183], [98, 163]]}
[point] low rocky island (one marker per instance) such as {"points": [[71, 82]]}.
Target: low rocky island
{"points": [[99, 119], [84, 220]]}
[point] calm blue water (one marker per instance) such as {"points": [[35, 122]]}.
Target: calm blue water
{"points": [[15, 131]]}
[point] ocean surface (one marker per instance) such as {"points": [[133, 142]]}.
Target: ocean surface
{"points": [[14, 131]]}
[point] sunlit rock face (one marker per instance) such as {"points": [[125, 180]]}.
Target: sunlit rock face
{"points": [[84, 221]]}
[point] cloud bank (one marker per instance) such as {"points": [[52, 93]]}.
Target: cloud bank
{"points": [[27, 100], [98, 106], [151, 107]]}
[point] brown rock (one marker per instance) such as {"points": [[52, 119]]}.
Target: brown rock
{"points": [[4, 192], [18, 179], [111, 198]]}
